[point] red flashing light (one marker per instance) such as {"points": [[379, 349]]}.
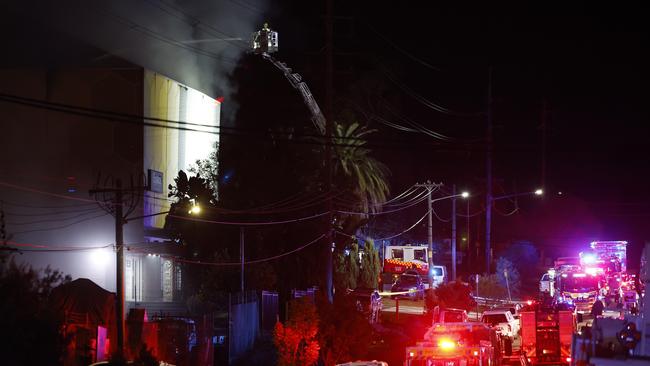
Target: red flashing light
{"points": [[220, 99], [568, 359], [529, 302], [411, 354]]}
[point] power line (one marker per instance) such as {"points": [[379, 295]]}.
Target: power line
{"points": [[383, 212], [189, 261], [193, 21], [318, 140], [406, 230], [87, 212], [395, 46], [156, 35], [436, 107], [62, 226], [259, 223]]}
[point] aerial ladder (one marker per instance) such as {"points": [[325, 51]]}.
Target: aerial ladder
{"points": [[265, 42]]}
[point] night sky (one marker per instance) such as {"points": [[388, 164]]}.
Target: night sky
{"points": [[587, 64]]}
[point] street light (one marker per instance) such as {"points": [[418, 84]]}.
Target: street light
{"points": [[429, 186], [488, 222]]}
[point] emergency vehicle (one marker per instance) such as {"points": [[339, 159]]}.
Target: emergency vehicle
{"points": [[546, 334], [456, 344], [579, 289], [401, 258]]}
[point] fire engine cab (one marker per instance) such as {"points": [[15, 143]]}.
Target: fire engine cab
{"points": [[456, 344]]}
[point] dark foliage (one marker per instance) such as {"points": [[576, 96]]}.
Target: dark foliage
{"points": [[30, 329]]}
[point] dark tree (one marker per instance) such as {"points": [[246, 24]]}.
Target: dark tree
{"points": [[30, 328]]}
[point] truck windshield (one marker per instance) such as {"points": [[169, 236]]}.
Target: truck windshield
{"points": [[494, 319], [454, 317], [408, 280], [583, 284]]}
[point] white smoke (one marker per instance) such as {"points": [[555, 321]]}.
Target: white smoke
{"points": [[195, 42]]}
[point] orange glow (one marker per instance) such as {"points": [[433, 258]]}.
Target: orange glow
{"points": [[475, 353], [446, 344]]}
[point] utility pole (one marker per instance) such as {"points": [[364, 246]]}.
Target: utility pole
{"points": [[453, 233], [241, 255], [116, 208], [544, 119], [429, 186], [468, 242], [430, 237], [488, 166], [119, 274], [329, 95]]}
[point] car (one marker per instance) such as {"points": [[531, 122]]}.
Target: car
{"points": [[502, 321], [439, 274], [409, 285], [513, 308], [449, 315], [368, 302], [545, 283]]}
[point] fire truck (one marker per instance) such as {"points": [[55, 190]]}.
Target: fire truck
{"points": [[579, 288], [546, 334], [400, 258], [607, 260], [456, 344]]}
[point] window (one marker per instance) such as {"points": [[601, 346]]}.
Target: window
{"points": [[494, 319], [178, 283], [437, 271], [397, 254], [420, 255], [167, 274]]}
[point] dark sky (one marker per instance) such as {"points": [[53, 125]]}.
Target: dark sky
{"points": [[588, 63]]}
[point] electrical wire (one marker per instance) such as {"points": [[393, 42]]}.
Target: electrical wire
{"points": [[424, 101], [403, 51], [437, 216], [506, 214], [267, 259], [237, 132], [78, 215], [22, 188], [247, 6], [259, 223], [36, 248], [159, 36], [383, 212], [9, 213], [62, 226], [194, 21], [406, 230]]}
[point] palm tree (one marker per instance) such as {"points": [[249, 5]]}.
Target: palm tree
{"points": [[356, 171]]}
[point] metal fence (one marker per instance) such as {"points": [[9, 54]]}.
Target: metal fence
{"points": [[269, 310]]}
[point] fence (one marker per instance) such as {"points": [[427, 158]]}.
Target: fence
{"points": [[244, 325], [269, 310]]}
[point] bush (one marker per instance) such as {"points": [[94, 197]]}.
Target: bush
{"points": [[455, 295], [296, 340], [489, 286]]}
